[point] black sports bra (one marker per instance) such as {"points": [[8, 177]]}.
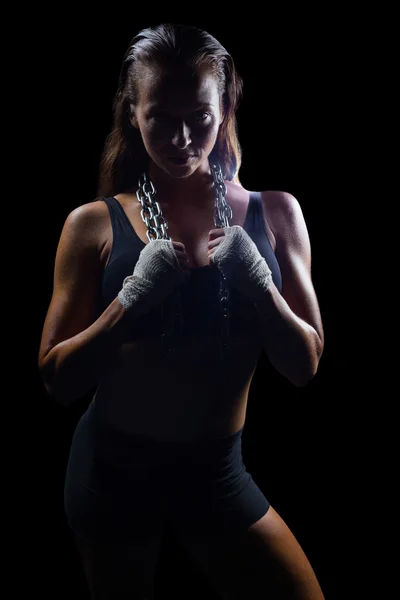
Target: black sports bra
{"points": [[200, 303]]}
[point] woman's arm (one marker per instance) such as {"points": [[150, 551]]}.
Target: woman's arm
{"points": [[292, 345], [77, 344], [292, 330]]}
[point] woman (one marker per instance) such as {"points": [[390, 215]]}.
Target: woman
{"points": [[166, 289]]}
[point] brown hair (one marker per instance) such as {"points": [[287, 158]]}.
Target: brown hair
{"points": [[124, 156]]}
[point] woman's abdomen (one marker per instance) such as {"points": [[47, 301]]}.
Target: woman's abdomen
{"points": [[145, 393]]}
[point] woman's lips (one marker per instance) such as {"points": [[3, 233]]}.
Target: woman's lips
{"points": [[180, 161]]}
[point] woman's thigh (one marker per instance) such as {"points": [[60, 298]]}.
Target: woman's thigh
{"points": [[119, 570], [113, 492], [115, 507], [265, 559]]}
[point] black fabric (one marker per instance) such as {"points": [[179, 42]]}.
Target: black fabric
{"points": [[121, 487], [200, 303]]}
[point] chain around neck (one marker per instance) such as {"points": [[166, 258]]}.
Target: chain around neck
{"points": [[157, 226]]}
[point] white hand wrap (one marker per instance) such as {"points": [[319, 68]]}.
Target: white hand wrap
{"points": [[240, 261], [156, 273]]}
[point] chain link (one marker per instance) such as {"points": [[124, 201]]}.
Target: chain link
{"points": [[157, 226]]}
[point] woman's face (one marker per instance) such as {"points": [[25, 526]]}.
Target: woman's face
{"points": [[178, 114]]}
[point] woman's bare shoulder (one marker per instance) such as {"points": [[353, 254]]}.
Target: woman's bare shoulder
{"points": [[91, 218], [278, 200], [93, 210], [278, 205]]}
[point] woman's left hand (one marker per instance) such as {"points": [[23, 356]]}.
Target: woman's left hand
{"points": [[235, 254]]}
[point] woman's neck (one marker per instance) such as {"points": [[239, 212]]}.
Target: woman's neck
{"points": [[193, 190]]}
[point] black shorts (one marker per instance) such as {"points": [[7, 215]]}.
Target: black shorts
{"points": [[121, 488]]}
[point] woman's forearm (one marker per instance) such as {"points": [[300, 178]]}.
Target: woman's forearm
{"points": [[72, 367], [292, 345]]}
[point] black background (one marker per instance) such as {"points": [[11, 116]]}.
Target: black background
{"points": [[287, 124]]}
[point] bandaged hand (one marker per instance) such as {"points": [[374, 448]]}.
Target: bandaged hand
{"points": [[162, 265], [239, 259]]}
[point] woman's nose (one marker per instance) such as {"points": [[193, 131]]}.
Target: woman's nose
{"points": [[181, 137]]}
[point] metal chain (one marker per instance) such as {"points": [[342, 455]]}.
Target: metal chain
{"points": [[157, 226], [222, 217]]}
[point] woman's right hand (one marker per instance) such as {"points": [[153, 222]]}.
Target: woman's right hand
{"points": [[162, 266]]}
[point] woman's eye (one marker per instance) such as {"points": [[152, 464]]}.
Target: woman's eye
{"points": [[202, 117], [199, 116]]}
